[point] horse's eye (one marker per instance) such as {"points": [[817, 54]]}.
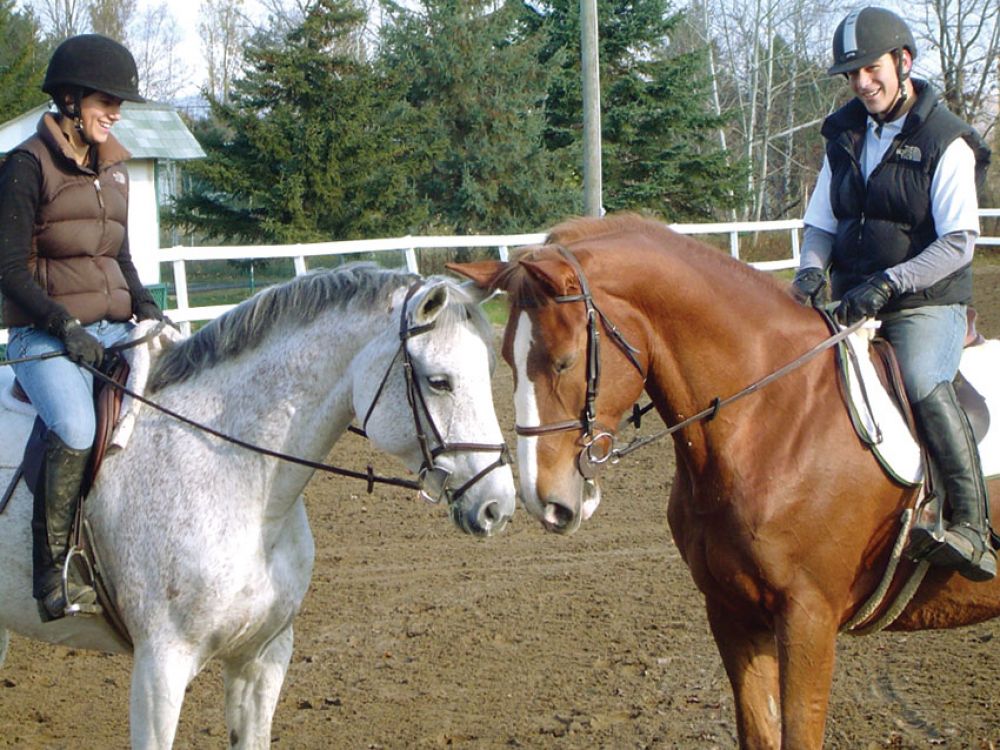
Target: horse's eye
{"points": [[562, 364], [439, 383]]}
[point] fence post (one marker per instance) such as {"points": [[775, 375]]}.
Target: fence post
{"points": [[411, 260], [181, 293]]}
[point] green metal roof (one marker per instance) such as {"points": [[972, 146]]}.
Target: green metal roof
{"points": [[149, 131], [156, 131]]}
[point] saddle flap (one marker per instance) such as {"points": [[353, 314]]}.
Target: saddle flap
{"points": [[975, 406]]}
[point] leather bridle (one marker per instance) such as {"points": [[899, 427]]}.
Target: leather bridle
{"points": [[589, 460], [591, 456], [434, 479]]}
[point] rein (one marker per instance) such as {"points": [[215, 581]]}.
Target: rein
{"points": [[368, 476], [433, 482], [708, 414], [587, 461]]}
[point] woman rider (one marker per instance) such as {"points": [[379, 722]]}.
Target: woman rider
{"points": [[68, 281]]}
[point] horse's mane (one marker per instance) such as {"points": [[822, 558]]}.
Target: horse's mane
{"points": [[526, 291], [295, 302]]}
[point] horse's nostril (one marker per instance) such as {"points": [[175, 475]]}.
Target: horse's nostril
{"points": [[558, 517], [491, 512]]}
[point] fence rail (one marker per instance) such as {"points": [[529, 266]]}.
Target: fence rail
{"points": [[408, 247]]}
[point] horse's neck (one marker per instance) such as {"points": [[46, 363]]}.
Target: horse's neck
{"points": [[712, 347], [292, 394]]}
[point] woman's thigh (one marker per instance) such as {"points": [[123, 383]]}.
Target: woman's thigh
{"points": [[60, 391]]}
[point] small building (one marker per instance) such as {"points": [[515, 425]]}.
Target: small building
{"points": [[157, 138]]}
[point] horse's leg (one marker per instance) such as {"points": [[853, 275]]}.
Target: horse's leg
{"points": [[806, 634], [4, 643], [159, 678], [252, 688], [751, 662]]}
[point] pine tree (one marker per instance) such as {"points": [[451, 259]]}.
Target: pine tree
{"points": [[306, 148], [474, 97], [660, 151], [23, 59]]}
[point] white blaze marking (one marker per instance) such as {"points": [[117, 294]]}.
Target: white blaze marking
{"points": [[526, 412]]}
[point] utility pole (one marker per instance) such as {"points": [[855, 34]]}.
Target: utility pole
{"points": [[592, 203]]}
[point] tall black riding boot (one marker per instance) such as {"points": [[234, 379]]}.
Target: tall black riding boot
{"points": [[949, 439], [56, 499]]}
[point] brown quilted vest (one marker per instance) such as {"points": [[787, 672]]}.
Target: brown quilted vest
{"points": [[79, 229]]}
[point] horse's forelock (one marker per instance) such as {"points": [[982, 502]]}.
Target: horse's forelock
{"points": [[522, 288], [293, 302], [461, 309]]}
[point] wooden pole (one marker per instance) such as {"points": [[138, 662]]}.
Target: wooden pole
{"points": [[592, 202]]}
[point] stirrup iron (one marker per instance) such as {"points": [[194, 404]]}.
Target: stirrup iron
{"points": [[78, 608]]}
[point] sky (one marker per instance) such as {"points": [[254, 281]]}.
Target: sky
{"points": [[186, 14]]}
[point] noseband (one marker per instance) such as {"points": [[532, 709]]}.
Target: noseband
{"points": [[591, 457], [433, 478]]}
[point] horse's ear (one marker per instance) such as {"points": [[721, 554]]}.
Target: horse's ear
{"points": [[554, 273], [428, 303], [481, 273]]}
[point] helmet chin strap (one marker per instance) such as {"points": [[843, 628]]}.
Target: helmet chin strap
{"points": [[76, 114], [899, 105]]}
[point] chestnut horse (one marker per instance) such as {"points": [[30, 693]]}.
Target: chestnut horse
{"points": [[783, 516]]}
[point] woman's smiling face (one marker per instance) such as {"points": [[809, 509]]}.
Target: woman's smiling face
{"points": [[98, 113]]}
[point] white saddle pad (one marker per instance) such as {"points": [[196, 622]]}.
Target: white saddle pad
{"points": [[883, 426]]}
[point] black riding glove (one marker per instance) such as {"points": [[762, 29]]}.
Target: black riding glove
{"points": [[866, 299], [81, 346], [148, 311], [809, 286]]}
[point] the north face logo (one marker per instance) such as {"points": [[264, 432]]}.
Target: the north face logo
{"points": [[910, 153]]}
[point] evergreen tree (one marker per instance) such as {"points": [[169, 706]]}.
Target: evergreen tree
{"points": [[23, 59], [660, 150], [306, 148], [474, 96]]}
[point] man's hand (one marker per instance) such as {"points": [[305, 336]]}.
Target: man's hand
{"points": [[809, 286], [866, 299]]}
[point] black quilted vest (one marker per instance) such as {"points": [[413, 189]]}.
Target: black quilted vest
{"points": [[889, 219]]}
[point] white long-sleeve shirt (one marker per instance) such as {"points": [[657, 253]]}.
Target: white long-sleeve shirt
{"points": [[954, 205]]}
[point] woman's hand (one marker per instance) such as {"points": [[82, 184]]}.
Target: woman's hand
{"points": [[81, 346]]}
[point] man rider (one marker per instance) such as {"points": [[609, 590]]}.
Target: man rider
{"points": [[894, 220]]}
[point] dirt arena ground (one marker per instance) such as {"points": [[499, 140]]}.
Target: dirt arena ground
{"points": [[416, 636]]}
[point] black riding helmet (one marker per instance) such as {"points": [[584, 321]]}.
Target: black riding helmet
{"points": [[865, 35], [93, 62]]}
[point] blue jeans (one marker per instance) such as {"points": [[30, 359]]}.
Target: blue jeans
{"points": [[61, 391], [928, 343]]}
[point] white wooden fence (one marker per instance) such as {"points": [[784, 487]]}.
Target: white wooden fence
{"points": [[408, 247]]}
